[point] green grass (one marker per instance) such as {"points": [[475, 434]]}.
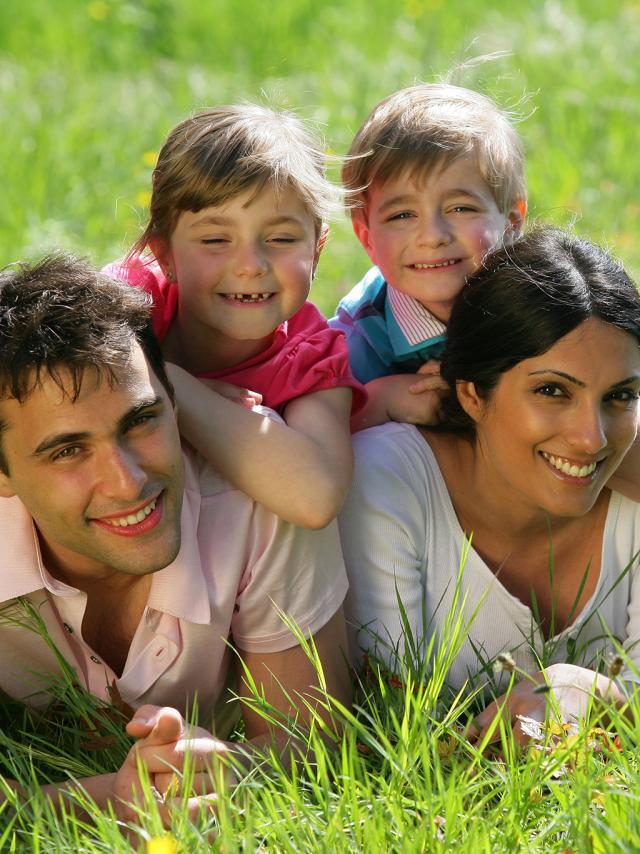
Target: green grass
{"points": [[402, 779], [88, 90]]}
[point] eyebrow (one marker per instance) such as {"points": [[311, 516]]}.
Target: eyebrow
{"points": [[213, 219], [57, 439], [627, 381]]}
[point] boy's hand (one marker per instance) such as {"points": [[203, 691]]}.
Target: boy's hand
{"points": [[429, 370], [394, 398]]}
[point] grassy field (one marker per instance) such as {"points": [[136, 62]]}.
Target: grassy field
{"points": [[88, 90]]}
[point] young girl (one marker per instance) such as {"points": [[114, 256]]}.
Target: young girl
{"points": [[239, 198]]}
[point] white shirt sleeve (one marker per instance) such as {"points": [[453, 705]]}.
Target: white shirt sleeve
{"points": [[383, 533]]}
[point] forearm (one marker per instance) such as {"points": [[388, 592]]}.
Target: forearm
{"points": [[287, 470], [98, 788]]}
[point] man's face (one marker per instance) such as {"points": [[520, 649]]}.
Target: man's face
{"points": [[101, 476]]}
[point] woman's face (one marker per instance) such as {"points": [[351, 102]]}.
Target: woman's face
{"points": [[556, 426]]}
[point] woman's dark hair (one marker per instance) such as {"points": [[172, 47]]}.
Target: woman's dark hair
{"points": [[523, 299]]}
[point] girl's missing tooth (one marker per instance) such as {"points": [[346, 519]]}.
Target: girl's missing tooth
{"points": [[237, 222]]}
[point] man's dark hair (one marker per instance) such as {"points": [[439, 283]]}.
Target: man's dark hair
{"points": [[61, 313]]}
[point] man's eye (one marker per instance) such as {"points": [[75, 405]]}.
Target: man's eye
{"points": [[66, 453], [141, 420]]}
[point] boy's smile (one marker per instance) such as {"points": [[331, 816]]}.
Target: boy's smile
{"points": [[427, 234]]}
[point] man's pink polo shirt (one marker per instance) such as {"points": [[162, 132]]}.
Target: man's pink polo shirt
{"points": [[237, 564]]}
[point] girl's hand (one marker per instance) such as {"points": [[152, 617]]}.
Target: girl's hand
{"points": [[560, 693], [184, 385], [243, 396]]}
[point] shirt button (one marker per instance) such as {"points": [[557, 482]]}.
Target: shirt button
{"points": [[67, 628], [95, 660]]}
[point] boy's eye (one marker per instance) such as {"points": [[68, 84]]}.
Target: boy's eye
{"points": [[400, 215], [208, 241], [464, 209]]}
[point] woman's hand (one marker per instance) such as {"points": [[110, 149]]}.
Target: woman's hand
{"points": [[561, 693]]}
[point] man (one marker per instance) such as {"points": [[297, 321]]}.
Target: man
{"points": [[138, 559]]}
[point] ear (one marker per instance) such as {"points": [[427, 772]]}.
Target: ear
{"points": [[515, 220], [6, 489], [470, 400], [320, 246], [360, 223], [162, 252]]}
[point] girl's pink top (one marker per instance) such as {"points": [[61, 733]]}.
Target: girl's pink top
{"points": [[305, 354]]}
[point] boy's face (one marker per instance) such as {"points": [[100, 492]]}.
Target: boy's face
{"points": [[242, 269], [428, 233]]}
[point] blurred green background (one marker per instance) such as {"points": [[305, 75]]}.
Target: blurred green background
{"points": [[88, 91]]}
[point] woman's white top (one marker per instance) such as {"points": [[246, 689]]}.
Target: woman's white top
{"points": [[402, 541]]}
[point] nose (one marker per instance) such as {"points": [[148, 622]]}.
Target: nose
{"points": [[121, 474], [588, 432], [433, 231], [251, 261]]}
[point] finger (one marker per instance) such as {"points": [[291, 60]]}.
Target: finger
{"points": [[430, 367], [164, 726], [431, 383]]}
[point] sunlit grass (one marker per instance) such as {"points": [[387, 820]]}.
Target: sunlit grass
{"points": [[88, 89]]}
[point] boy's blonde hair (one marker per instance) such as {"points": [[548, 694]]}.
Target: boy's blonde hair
{"points": [[219, 153], [428, 126]]}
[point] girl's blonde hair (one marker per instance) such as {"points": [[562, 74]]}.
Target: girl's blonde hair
{"points": [[219, 153]]}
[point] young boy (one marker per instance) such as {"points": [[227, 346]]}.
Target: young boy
{"points": [[436, 174]]}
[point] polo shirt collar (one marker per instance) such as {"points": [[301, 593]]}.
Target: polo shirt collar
{"points": [[179, 589], [410, 324]]}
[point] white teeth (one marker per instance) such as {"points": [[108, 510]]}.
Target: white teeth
{"points": [[439, 264], [569, 468], [134, 518], [247, 297]]}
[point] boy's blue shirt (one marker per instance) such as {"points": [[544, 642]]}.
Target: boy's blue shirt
{"points": [[377, 345]]}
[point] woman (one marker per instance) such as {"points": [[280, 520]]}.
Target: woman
{"points": [[543, 366]]}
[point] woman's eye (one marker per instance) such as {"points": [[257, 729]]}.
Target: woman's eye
{"points": [[550, 390], [623, 395]]}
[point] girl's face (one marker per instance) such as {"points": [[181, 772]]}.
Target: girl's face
{"points": [[242, 268], [556, 426]]}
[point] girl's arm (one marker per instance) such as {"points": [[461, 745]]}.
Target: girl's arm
{"points": [[300, 470]]}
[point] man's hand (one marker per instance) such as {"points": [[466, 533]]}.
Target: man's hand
{"points": [[561, 693], [165, 747]]}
